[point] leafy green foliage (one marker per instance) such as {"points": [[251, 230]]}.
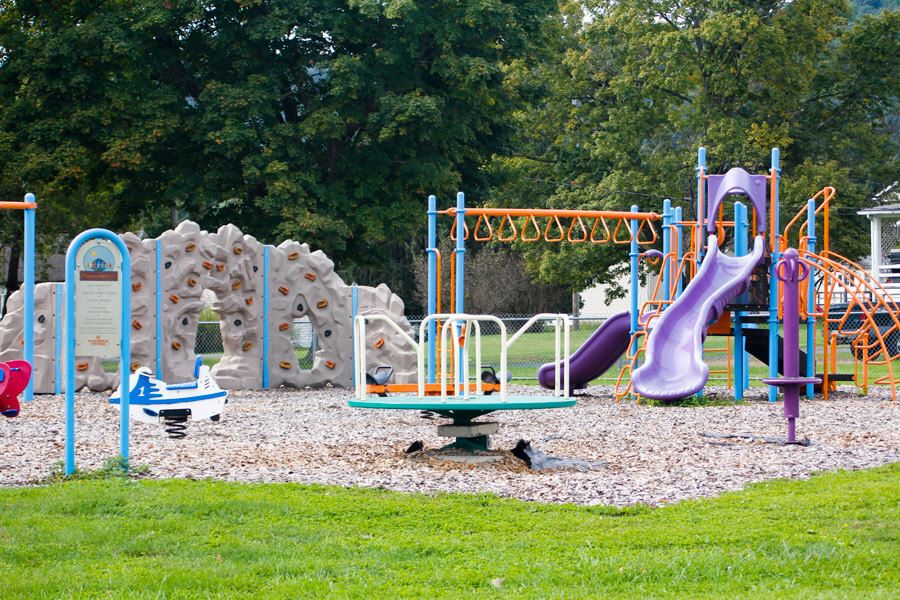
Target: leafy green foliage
{"points": [[634, 91], [834, 536], [323, 120], [114, 467]]}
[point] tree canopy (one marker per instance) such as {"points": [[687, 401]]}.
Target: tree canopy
{"points": [[323, 120], [330, 121], [639, 85]]}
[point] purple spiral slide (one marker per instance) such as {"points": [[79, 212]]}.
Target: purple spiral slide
{"points": [[673, 364]]}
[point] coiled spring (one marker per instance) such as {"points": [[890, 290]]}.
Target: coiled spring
{"points": [[175, 421]]}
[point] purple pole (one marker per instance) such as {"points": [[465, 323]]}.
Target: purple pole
{"points": [[791, 271]]}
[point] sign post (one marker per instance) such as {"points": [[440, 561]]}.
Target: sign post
{"points": [[97, 311]]}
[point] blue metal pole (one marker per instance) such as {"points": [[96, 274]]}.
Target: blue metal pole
{"points": [[460, 271], [667, 248], [633, 255], [701, 200], [773, 288], [28, 316], [431, 249], [740, 249], [460, 250], [125, 351], [69, 368], [811, 300], [158, 315], [265, 318]]}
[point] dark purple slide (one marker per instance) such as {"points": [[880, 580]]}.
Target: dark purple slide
{"points": [[595, 356]]}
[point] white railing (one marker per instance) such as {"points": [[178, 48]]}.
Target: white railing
{"points": [[452, 328]]}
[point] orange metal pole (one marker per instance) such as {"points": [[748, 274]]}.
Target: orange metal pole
{"points": [[18, 205]]}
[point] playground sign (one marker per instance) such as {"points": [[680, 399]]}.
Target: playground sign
{"points": [[98, 298], [97, 310]]}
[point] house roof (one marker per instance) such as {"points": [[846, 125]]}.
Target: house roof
{"points": [[887, 209], [52, 268], [889, 194]]}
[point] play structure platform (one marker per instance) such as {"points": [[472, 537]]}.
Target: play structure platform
{"points": [[450, 391]]}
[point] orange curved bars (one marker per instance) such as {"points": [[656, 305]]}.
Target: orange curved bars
{"points": [[869, 297], [465, 232], [487, 223], [608, 237], [506, 219], [828, 193], [554, 221], [17, 205], [537, 230], [584, 233]]}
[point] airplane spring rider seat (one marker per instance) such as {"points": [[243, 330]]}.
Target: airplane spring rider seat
{"points": [[14, 378], [791, 272], [152, 400]]}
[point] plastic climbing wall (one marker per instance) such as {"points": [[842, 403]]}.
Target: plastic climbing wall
{"points": [[259, 291]]}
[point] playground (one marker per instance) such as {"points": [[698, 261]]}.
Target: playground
{"points": [[639, 453], [617, 448]]}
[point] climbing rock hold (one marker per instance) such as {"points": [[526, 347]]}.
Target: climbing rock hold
{"points": [[207, 265], [284, 290], [247, 346], [248, 301], [168, 264], [284, 326], [322, 303], [300, 307], [185, 321], [327, 333], [329, 364], [237, 250], [284, 364], [220, 267], [176, 345], [41, 319], [192, 282], [135, 366], [293, 256], [136, 286], [81, 366], [236, 284], [379, 342], [173, 298], [310, 276], [190, 247], [137, 325]]}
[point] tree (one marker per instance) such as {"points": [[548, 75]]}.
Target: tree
{"points": [[328, 121], [496, 283], [644, 83]]}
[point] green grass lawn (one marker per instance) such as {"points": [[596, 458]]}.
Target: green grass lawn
{"points": [[834, 536]]}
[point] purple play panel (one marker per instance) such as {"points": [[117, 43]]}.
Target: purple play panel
{"points": [[595, 356], [736, 181], [673, 364]]}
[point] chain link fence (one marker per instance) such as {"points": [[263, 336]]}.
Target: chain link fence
{"points": [[537, 346], [209, 342]]}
